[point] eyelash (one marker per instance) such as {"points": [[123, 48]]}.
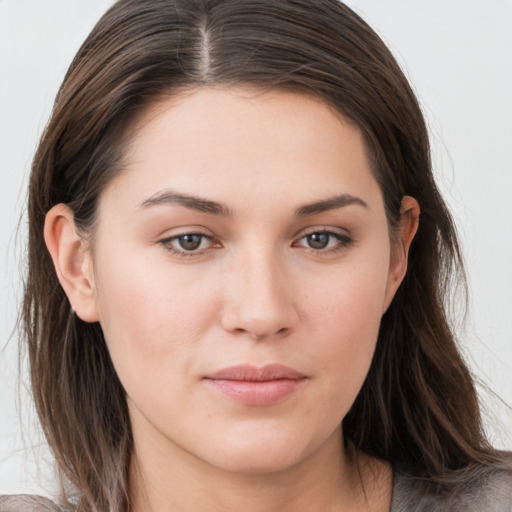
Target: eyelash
{"points": [[343, 242], [167, 243]]}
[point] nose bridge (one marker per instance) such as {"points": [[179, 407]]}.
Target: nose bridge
{"points": [[259, 298]]}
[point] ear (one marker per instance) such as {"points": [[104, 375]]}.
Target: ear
{"points": [[409, 221], [72, 261]]}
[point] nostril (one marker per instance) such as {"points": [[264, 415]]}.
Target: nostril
{"points": [[270, 319]]}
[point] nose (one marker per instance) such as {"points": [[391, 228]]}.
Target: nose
{"points": [[259, 298]]}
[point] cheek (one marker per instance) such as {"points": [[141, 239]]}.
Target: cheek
{"points": [[346, 319], [351, 299], [150, 315]]}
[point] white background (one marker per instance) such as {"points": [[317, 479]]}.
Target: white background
{"points": [[458, 55]]}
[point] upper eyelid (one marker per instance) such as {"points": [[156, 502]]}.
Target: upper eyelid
{"points": [[205, 232], [176, 232], [171, 238], [185, 233], [339, 236], [297, 236], [334, 231], [322, 229]]}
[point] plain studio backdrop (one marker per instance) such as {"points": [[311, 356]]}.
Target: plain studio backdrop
{"points": [[458, 56]]}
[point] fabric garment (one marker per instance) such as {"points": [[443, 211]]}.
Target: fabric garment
{"points": [[487, 490]]}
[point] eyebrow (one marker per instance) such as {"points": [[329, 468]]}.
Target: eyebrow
{"points": [[169, 197], [330, 203]]}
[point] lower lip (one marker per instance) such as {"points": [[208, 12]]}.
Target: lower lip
{"points": [[256, 393]]}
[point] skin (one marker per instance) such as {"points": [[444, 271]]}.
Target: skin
{"points": [[255, 292]]}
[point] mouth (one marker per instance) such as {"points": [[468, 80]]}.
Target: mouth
{"points": [[251, 385]]}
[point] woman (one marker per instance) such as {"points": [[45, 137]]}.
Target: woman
{"points": [[236, 273]]}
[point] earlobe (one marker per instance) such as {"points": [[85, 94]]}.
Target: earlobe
{"points": [[409, 221], [72, 261]]}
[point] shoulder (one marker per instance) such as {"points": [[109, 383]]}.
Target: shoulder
{"points": [[27, 503], [482, 488]]}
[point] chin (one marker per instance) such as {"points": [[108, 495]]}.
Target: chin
{"points": [[268, 452], [259, 462]]}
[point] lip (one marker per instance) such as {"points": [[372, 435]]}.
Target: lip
{"points": [[259, 386]]}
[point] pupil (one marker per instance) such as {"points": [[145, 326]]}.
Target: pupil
{"points": [[318, 240], [190, 242]]}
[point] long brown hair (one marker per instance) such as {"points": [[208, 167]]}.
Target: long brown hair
{"points": [[418, 408]]}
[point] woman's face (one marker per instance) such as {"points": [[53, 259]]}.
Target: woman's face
{"points": [[240, 269]]}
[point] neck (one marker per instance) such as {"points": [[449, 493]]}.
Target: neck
{"points": [[331, 479]]}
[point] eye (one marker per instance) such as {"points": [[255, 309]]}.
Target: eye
{"points": [[190, 242], [187, 243], [319, 240], [324, 241]]}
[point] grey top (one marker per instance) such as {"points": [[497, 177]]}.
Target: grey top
{"points": [[488, 490]]}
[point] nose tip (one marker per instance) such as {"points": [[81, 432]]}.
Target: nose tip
{"points": [[273, 321], [259, 303]]}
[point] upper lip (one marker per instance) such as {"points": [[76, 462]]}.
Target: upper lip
{"points": [[256, 374]]}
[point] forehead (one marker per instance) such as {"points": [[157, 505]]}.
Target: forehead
{"points": [[273, 143]]}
